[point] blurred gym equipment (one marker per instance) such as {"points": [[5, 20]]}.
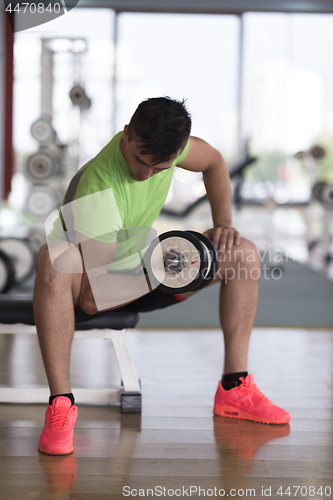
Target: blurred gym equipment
{"points": [[7, 273], [236, 173], [323, 193], [41, 201], [79, 97], [22, 255], [50, 168], [42, 166], [42, 131]]}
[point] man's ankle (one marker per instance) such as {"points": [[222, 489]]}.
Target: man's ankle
{"points": [[68, 395], [231, 380]]}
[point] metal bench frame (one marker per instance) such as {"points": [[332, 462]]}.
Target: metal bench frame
{"points": [[129, 395]]}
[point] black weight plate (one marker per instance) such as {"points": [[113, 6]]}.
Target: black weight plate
{"points": [[317, 152], [7, 273], [327, 196], [214, 259], [203, 262], [317, 190], [22, 255]]}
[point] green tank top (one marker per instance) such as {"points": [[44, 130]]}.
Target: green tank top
{"points": [[104, 203]]}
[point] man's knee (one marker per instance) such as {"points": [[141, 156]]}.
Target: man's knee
{"points": [[53, 281], [43, 260], [246, 251], [247, 260], [60, 257], [247, 254], [44, 269], [242, 262]]}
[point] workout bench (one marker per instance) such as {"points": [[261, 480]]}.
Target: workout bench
{"points": [[16, 316]]}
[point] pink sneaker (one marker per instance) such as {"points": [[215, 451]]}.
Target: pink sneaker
{"points": [[247, 402], [57, 435]]}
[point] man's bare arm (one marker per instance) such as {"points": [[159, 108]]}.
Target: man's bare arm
{"points": [[202, 157]]}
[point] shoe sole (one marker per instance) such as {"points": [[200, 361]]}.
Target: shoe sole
{"points": [[230, 412], [56, 451]]}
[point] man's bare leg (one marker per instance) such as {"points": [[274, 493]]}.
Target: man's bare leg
{"points": [[54, 296], [239, 274]]}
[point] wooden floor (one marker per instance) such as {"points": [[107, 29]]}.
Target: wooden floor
{"points": [[177, 443]]}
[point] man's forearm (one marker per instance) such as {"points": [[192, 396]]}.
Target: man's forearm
{"points": [[217, 183]]}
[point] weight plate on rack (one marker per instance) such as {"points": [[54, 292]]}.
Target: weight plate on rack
{"points": [[317, 152], [41, 201], [43, 132], [317, 189], [22, 255], [327, 196], [41, 166], [7, 273]]}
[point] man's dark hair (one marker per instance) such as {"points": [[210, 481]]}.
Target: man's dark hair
{"points": [[162, 125]]}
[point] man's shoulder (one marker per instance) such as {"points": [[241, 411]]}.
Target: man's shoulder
{"points": [[99, 169], [110, 151]]}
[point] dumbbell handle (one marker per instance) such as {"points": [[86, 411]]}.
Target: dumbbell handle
{"points": [[174, 262]]}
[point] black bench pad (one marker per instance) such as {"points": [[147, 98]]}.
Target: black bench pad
{"points": [[17, 308]]}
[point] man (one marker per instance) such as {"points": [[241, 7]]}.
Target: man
{"points": [[130, 179]]}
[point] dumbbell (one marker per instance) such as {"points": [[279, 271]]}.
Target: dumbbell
{"points": [[317, 152], [181, 261], [79, 97]]}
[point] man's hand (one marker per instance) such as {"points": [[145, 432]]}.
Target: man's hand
{"points": [[223, 238]]}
